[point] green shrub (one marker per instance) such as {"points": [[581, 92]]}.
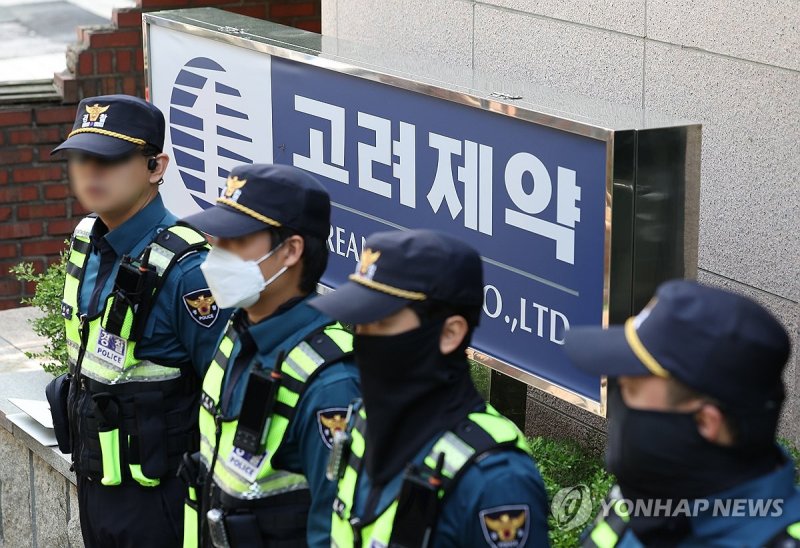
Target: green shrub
{"points": [[565, 464], [481, 377], [47, 298]]}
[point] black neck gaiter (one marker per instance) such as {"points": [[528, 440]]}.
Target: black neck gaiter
{"points": [[662, 456], [411, 392]]}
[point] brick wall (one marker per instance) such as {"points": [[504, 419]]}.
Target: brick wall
{"points": [[37, 211]]}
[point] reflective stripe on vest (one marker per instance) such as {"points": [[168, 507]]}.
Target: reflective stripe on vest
{"points": [[608, 530], [458, 453], [263, 480], [109, 358]]}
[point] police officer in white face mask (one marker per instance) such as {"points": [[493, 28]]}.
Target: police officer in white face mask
{"points": [[281, 380]]}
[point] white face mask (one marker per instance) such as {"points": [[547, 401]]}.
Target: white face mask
{"points": [[234, 282]]}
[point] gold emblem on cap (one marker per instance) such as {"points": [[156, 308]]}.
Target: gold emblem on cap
{"points": [[230, 198], [95, 111], [232, 185], [368, 258]]}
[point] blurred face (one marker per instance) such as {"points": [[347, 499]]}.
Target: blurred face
{"points": [[112, 186]]}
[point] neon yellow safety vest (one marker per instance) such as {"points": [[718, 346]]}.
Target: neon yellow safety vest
{"points": [[101, 351], [490, 430], [253, 477], [110, 358]]}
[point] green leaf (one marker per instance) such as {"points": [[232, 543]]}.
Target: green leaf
{"points": [[47, 297]]}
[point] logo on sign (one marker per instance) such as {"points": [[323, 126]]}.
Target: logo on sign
{"points": [[209, 127]]}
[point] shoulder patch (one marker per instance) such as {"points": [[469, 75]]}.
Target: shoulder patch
{"points": [[330, 421], [201, 307], [505, 526]]}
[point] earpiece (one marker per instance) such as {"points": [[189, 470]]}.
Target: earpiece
{"points": [[152, 164]]}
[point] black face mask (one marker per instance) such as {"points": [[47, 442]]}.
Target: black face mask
{"points": [[411, 392], [662, 454]]}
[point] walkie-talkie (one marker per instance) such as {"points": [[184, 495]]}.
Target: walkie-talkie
{"points": [[132, 294], [257, 405]]}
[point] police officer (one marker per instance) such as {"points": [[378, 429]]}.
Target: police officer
{"points": [[692, 421], [140, 326], [425, 461], [282, 377]]}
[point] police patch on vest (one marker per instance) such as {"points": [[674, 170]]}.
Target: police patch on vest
{"points": [[111, 348], [201, 307], [330, 421], [246, 465], [505, 526], [66, 310]]}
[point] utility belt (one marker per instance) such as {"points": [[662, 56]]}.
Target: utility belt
{"points": [[124, 432], [278, 521]]}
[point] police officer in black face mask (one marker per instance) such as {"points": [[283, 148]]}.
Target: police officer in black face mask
{"points": [[425, 461], [692, 422]]}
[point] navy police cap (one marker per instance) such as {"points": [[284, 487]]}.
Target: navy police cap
{"points": [[262, 196], [398, 268], [113, 126], [716, 342]]}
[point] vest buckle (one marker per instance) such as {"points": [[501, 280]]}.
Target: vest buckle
{"points": [[339, 507]]}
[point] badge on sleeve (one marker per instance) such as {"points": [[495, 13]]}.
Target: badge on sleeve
{"points": [[201, 307], [330, 421], [505, 526]]}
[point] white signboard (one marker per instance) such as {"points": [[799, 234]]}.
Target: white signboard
{"points": [[217, 103]]}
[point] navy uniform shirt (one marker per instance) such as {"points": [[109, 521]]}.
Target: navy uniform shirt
{"points": [[749, 514], [172, 335], [306, 446], [502, 483]]}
